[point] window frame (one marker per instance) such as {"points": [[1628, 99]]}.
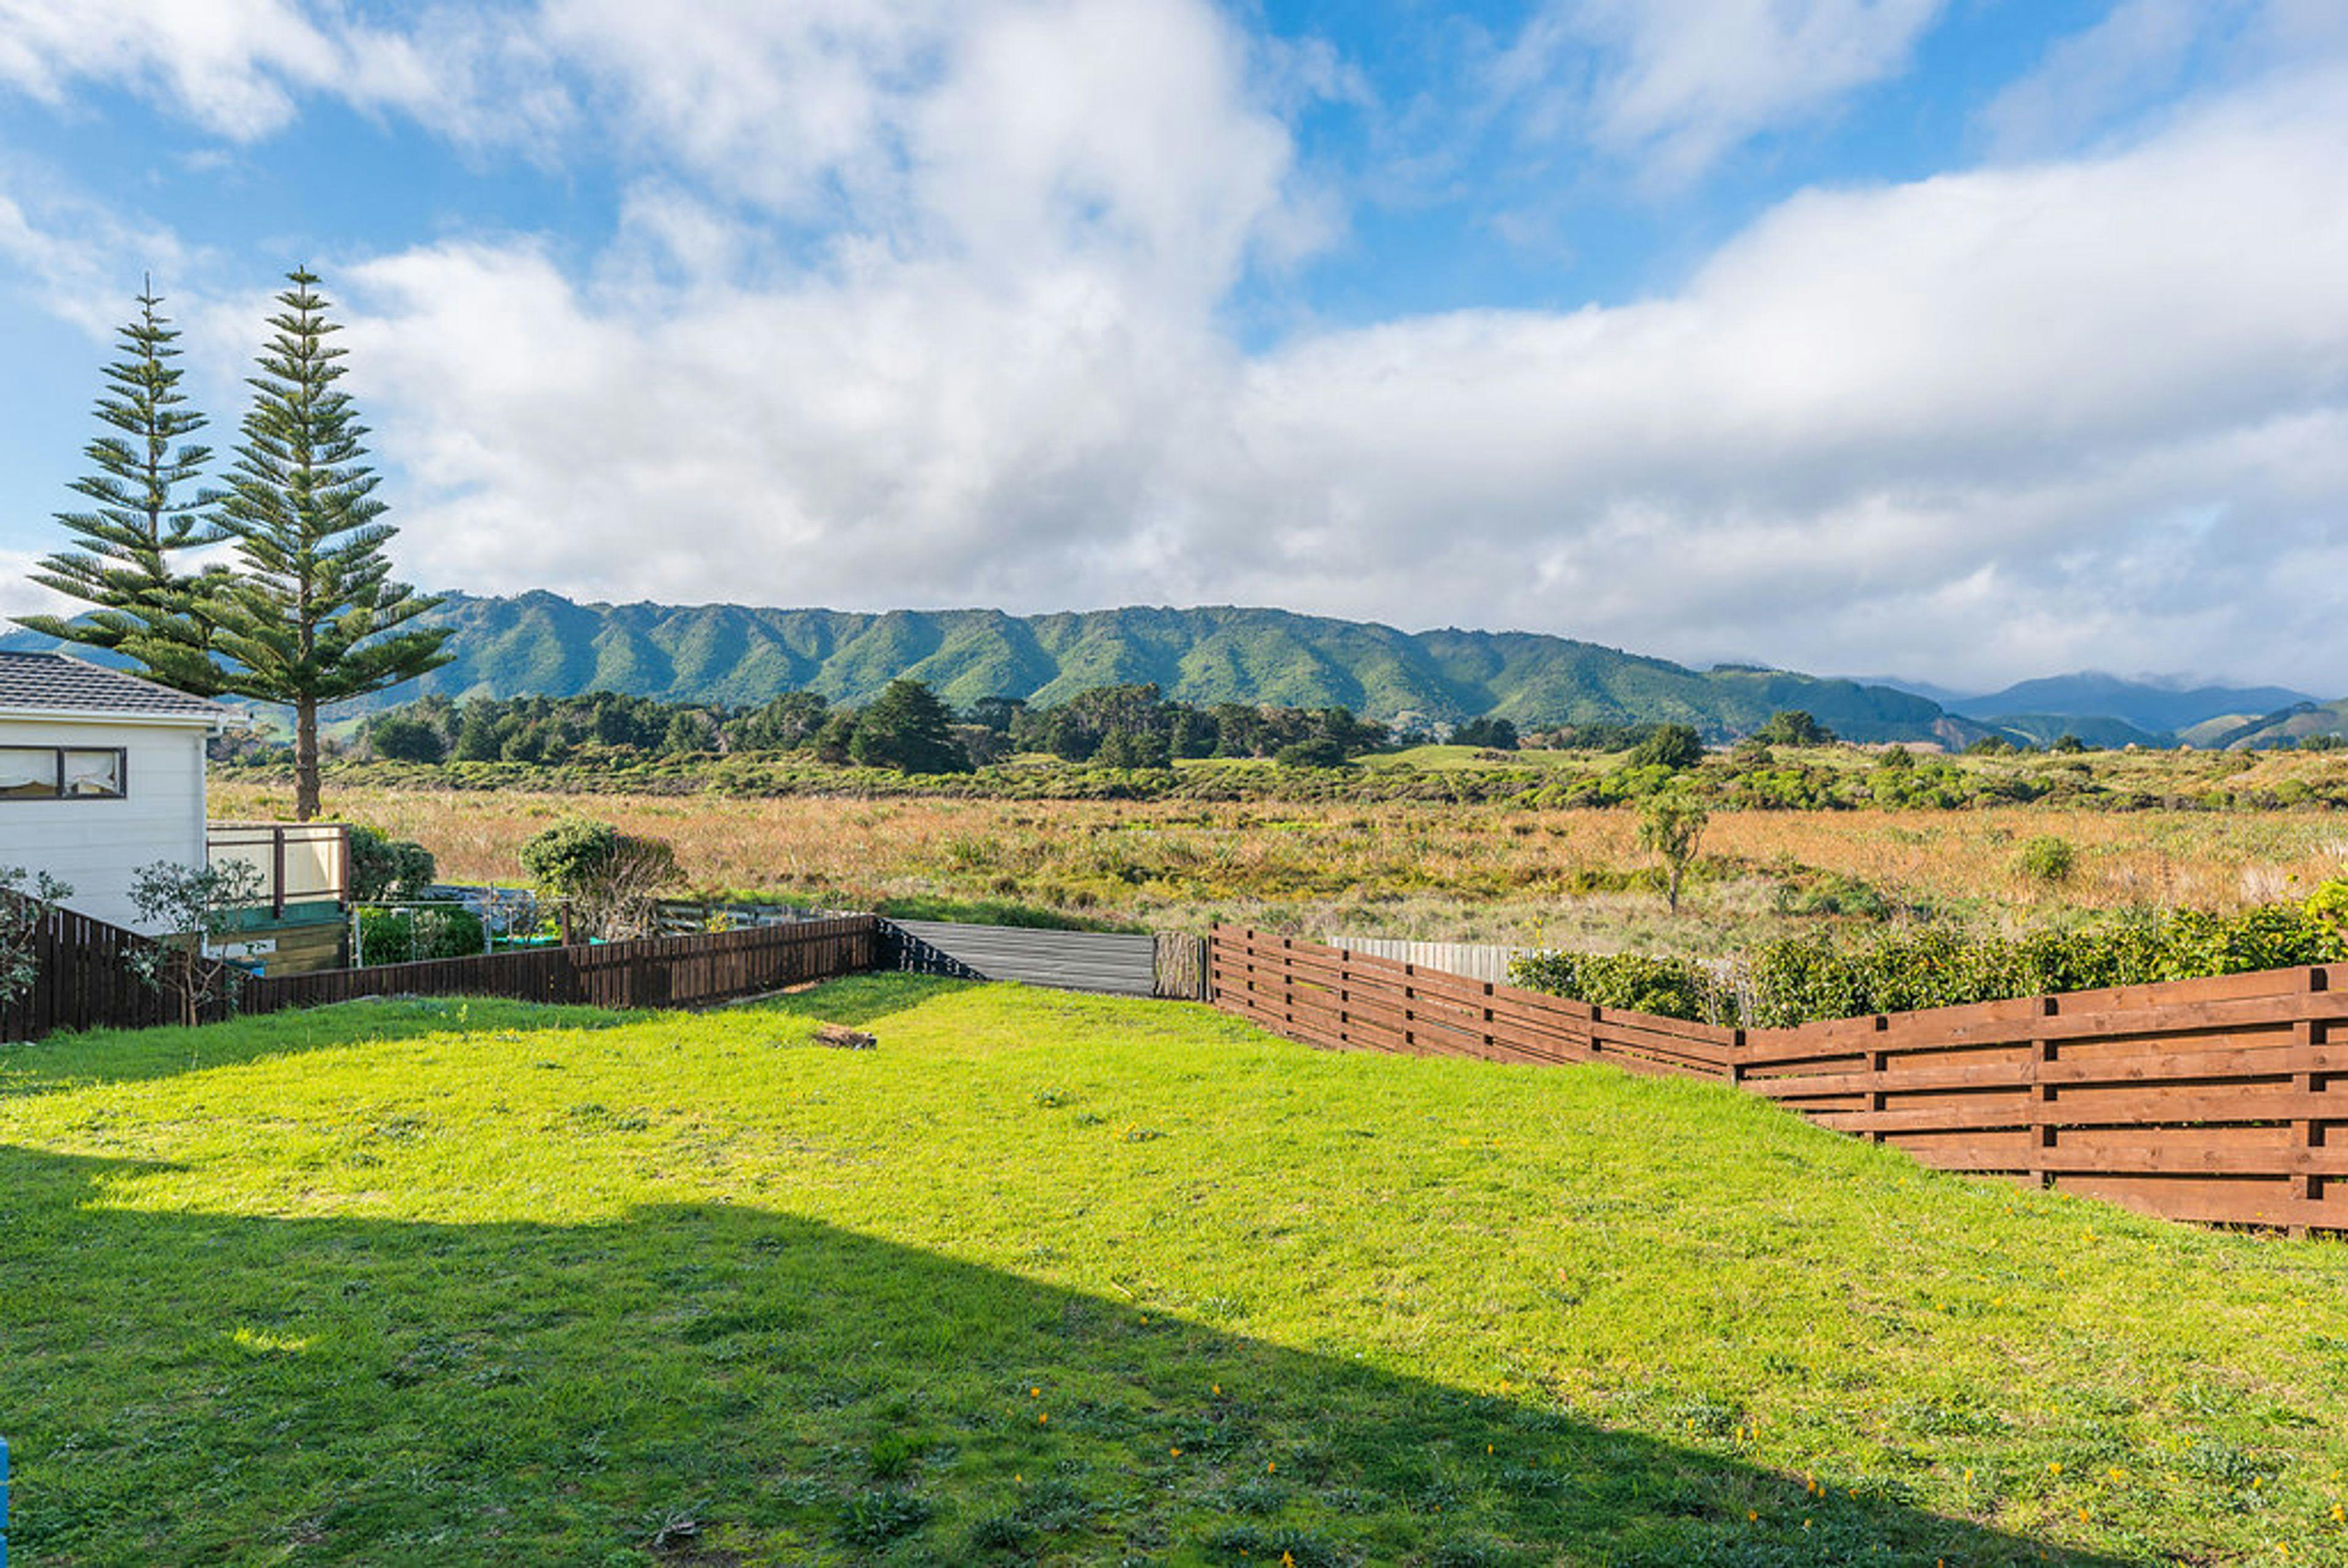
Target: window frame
{"points": [[57, 791]]}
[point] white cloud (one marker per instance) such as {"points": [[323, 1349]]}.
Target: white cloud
{"points": [[2120, 64], [1673, 84], [239, 69], [1986, 425], [917, 304]]}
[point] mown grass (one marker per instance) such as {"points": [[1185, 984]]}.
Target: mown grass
{"points": [[1064, 1279]]}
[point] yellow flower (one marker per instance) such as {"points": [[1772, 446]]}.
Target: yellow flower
{"points": [[1035, 1393], [1175, 1452], [1269, 1466], [1041, 1418]]}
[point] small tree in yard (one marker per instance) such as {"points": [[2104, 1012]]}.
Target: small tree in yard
{"points": [[1671, 825], [196, 908], [314, 616], [23, 910], [609, 876]]}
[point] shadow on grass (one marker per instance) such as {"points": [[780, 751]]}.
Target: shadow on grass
{"points": [[716, 1385]]}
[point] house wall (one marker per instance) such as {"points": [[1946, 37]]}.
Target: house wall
{"points": [[95, 845]]}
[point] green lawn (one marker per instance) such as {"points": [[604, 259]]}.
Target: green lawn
{"points": [[1067, 1279]]}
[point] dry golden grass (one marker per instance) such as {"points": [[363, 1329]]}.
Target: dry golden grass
{"points": [[1467, 872]]}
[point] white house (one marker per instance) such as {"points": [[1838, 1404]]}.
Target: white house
{"points": [[100, 773]]}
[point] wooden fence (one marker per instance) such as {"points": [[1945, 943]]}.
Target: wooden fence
{"points": [[657, 971], [1333, 998], [2220, 1099], [82, 980]]}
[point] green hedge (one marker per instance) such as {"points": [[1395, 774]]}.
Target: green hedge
{"points": [[404, 935], [1805, 978]]}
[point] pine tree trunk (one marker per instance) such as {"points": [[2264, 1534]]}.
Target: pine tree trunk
{"points": [[305, 759]]}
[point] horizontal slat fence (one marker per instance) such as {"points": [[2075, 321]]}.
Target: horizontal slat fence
{"points": [[2221, 1101], [655, 971], [82, 980], [1333, 998]]}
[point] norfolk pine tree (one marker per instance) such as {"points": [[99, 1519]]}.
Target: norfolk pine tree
{"points": [[314, 617], [121, 563]]}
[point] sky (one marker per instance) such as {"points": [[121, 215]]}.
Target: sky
{"points": [[1962, 340]]}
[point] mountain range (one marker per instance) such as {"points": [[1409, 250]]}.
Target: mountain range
{"points": [[543, 643]]}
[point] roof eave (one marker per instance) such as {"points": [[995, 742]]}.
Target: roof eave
{"points": [[212, 723]]}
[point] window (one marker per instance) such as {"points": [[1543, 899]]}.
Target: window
{"points": [[94, 775], [62, 772]]}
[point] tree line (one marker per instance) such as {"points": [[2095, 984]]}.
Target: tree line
{"points": [[303, 610], [907, 727]]}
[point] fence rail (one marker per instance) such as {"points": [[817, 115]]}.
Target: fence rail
{"points": [[657, 971], [2222, 1100]]}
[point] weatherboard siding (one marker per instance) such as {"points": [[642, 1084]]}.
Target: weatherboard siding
{"points": [[96, 845]]}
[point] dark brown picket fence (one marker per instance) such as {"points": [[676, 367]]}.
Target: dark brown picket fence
{"points": [[2221, 1099]]}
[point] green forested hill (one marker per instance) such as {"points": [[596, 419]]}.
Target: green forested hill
{"points": [[539, 642], [543, 643]]}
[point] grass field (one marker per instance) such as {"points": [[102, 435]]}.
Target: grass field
{"points": [[1444, 872], [1063, 1279]]}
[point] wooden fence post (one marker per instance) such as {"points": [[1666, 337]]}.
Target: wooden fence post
{"points": [[2042, 1100], [2306, 1034]]}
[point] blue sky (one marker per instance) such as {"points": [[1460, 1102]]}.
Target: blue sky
{"points": [[1967, 339]]}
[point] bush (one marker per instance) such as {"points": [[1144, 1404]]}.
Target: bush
{"points": [[1669, 988], [1673, 746], [1793, 727], [405, 936], [1802, 979], [383, 867], [1318, 752], [608, 875], [2048, 860]]}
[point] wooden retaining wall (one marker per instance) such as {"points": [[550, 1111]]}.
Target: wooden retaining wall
{"points": [[2221, 1099]]}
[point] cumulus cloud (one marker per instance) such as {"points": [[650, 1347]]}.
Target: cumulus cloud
{"points": [[1988, 423], [240, 67], [1673, 84], [915, 303]]}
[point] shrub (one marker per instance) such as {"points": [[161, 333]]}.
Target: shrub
{"points": [[1669, 988], [2048, 860], [1672, 825], [1318, 752], [383, 867], [1793, 727], [1801, 979], [404, 936], [1673, 746], [608, 875]]}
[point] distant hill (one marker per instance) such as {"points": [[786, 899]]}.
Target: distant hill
{"points": [[2150, 706], [2045, 729], [543, 643], [2295, 722]]}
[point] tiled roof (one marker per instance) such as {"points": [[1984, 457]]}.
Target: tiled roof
{"points": [[54, 682]]}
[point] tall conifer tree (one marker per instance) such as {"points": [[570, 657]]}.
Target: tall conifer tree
{"points": [[314, 617], [122, 562]]}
